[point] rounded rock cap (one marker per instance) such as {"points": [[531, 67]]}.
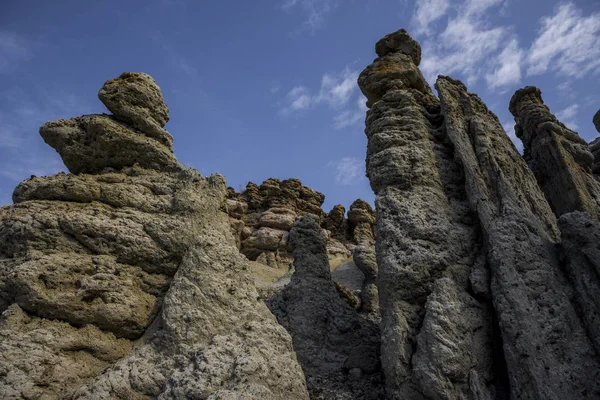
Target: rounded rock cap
{"points": [[399, 41], [519, 94], [136, 99]]}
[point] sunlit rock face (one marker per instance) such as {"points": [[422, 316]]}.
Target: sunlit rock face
{"points": [[122, 279]]}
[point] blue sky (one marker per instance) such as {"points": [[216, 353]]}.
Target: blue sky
{"points": [[261, 89]]}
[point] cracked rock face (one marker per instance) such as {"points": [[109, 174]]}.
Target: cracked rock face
{"points": [[559, 157], [474, 300], [124, 281]]}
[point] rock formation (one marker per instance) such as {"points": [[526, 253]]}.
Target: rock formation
{"points": [[477, 277], [262, 216], [337, 348], [122, 279], [474, 299], [559, 158], [594, 146]]}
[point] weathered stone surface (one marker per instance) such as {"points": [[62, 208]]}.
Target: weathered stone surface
{"points": [[580, 237], [330, 337], [336, 223], [274, 205], [596, 120], [93, 143], [548, 353], [139, 252], [361, 220], [559, 158], [136, 99], [427, 238], [399, 41], [277, 218]]}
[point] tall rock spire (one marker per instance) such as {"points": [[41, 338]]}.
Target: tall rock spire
{"points": [[427, 243], [559, 157], [475, 303]]}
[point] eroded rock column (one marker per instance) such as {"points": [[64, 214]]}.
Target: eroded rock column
{"points": [[558, 156], [437, 338]]}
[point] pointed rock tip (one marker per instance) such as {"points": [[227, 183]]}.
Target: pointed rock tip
{"points": [[518, 96], [596, 120], [399, 41]]}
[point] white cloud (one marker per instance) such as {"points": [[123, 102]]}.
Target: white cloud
{"points": [[568, 44], [508, 71], [348, 170], [352, 116], [314, 11], [566, 116], [13, 50], [469, 46], [336, 92], [427, 12]]}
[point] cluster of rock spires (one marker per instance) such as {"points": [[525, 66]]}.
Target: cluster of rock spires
{"points": [[262, 216], [134, 277], [483, 293]]}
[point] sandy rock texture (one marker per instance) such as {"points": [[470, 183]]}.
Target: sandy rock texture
{"points": [[122, 280]]}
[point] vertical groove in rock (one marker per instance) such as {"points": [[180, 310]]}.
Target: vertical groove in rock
{"points": [[436, 337], [559, 157]]}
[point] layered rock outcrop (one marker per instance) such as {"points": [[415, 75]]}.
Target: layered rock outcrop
{"points": [[474, 298], [262, 216], [337, 347], [122, 279], [558, 156]]}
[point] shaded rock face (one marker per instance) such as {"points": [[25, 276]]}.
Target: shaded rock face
{"points": [[594, 146], [262, 216], [474, 298], [124, 281], [559, 157], [330, 337]]}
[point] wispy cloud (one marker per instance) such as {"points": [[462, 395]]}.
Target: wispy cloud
{"points": [[427, 12], [338, 92], [314, 11], [348, 170], [568, 44], [174, 57], [351, 116], [470, 46], [566, 116], [13, 50], [508, 70]]}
